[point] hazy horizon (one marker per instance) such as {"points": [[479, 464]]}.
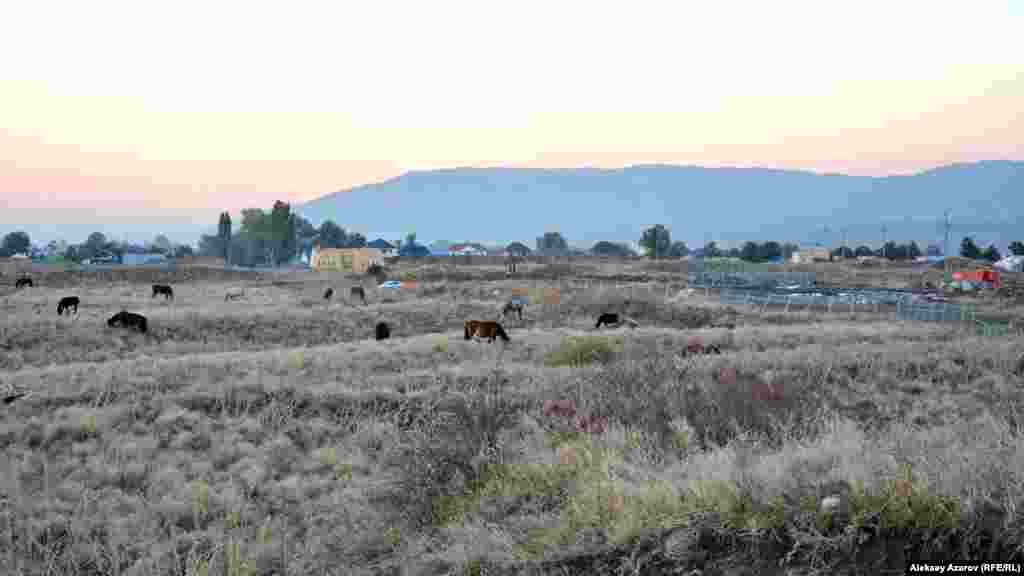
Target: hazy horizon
{"points": [[162, 118]]}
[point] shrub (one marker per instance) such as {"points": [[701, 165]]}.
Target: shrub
{"points": [[583, 350]]}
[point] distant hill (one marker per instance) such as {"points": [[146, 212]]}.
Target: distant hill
{"points": [[699, 204]]}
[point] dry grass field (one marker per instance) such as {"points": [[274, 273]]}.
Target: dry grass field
{"points": [[274, 435]]}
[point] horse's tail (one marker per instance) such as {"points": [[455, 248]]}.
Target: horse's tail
{"points": [[468, 329]]}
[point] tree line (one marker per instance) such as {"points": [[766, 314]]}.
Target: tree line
{"points": [[96, 246], [272, 237], [657, 243]]}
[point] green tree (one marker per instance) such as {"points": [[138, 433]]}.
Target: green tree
{"points": [[552, 244], [770, 249], [16, 243], [279, 231], [332, 235], [863, 251], [162, 245], [356, 240], [843, 252], [1016, 248], [224, 235], [749, 252], [609, 249], [656, 241], [518, 249], [968, 249], [913, 250], [991, 254], [678, 250]]}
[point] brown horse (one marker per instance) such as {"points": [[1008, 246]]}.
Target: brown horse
{"points": [[485, 329], [383, 331], [22, 282]]}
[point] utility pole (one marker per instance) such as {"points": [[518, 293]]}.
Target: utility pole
{"points": [[884, 230]]}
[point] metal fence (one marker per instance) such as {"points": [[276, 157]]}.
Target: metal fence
{"points": [[851, 300], [729, 265], [934, 311], [765, 279], [793, 302]]}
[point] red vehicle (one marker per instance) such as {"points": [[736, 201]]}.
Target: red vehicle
{"points": [[978, 276]]}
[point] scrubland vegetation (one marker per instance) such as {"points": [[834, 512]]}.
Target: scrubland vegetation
{"points": [[273, 435]]}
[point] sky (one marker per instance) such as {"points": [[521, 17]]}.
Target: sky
{"points": [[140, 117]]}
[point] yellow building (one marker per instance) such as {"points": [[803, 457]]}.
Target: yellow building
{"points": [[356, 260]]}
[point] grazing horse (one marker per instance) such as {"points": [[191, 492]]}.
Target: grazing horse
{"points": [[357, 291], [128, 319], [696, 346], [514, 305], [485, 329], [607, 319], [328, 293], [163, 289], [12, 396], [22, 282], [383, 331], [234, 295], [66, 303]]}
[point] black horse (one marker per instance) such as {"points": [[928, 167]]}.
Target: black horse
{"points": [[328, 293], [67, 303], [128, 319], [12, 396], [22, 282], [163, 289], [357, 291], [383, 331], [607, 319], [515, 305]]}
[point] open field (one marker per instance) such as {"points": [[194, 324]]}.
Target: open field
{"points": [[273, 435]]}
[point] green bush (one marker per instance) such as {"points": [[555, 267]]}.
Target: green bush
{"points": [[583, 350]]}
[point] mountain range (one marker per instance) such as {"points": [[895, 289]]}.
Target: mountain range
{"points": [[727, 205]]}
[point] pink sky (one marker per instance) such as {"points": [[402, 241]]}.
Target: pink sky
{"points": [[146, 112]]}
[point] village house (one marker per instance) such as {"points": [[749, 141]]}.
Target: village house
{"points": [[811, 254], [469, 249], [355, 260], [385, 247]]}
